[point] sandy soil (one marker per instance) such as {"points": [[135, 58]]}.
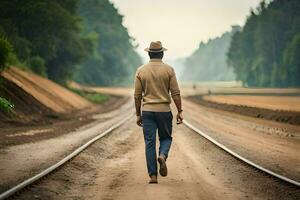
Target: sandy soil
{"points": [[114, 168], [286, 103], [275, 146], [45, 91], [37, 101]]}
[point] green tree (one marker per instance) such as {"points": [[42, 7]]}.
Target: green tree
{"points": [[114, 58], [5, 51], [291, 61], [241, 45], [258, 54], [208, 62], [37, 65], [47, 29]]}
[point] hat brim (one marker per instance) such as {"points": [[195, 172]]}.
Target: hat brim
{"points": [[148, 50]]}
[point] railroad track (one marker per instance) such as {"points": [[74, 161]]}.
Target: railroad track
{"points": [[243, 159], [63, 161], [50, 169]]}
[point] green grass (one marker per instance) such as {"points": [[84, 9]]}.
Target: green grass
{"points": [[94, 97], [5, 105]]}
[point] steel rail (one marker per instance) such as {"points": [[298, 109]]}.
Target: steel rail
{"points": [[296, 183], [45, 172]]}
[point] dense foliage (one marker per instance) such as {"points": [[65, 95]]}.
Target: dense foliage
{"points": [[53, 38], [114, 59], [266, 52], [208, 62], [45, 29], [5, 51]]}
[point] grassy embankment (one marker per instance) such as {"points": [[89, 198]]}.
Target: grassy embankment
{"points": [[98, 98], [94, 97]]}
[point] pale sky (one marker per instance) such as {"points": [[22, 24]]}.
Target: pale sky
{"points": [[181, 25]]}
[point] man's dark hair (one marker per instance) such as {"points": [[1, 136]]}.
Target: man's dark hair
{"points": [[158, 55]]}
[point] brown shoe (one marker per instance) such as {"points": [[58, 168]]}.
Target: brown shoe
{"points": [[153, 179], [163, 170]]}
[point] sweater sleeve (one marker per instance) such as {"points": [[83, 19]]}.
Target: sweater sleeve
{"points": [[138, 89], [174, 84]]}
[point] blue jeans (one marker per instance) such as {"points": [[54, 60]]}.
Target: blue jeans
{"points": [[152, 121]]}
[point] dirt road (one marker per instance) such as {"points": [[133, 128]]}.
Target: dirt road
{"points": [[114, 168]]}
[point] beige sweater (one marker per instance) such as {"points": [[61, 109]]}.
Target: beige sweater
{"points": [[154, 82]]}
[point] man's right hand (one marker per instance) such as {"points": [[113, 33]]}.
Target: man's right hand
{"points": [[139, 121], [179, 117]]}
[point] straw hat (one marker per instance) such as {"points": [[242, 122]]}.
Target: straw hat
{"points": [[155, 47]]}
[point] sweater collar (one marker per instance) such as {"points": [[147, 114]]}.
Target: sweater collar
{"points": [[155, 60]]}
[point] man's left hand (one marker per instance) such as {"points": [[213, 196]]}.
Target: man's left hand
{"points": [[179, 117]]}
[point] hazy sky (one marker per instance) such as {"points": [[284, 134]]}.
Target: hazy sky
{"points": [[181, 24]]}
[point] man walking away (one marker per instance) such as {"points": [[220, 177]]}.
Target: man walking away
{"points": [[154, 82]]}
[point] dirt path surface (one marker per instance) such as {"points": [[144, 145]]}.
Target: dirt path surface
{"points": [[273, 145], [114, 168], [30, 158]]}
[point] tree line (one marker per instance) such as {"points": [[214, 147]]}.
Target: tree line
{"points": [[67, 39], [114, 59], [208, 62], [266, 53]]}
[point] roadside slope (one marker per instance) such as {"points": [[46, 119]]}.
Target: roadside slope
{"points": [[34, 96], [48, 93]]}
